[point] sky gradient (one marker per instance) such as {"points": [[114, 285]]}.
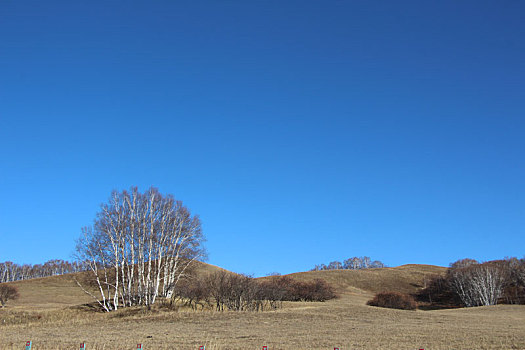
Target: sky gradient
{"points": [[301, 132]]}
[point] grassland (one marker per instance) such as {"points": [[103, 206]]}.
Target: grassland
{"points": [[53, 320]]}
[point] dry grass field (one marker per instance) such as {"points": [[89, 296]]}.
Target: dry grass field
{"points": [[48, 313]]}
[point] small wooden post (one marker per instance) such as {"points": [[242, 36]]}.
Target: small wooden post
{"points": [[28, 345], [82, 346]]}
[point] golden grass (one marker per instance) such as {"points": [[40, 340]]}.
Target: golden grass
{"points": [[404, 279], [62, 291], [345, 322], [48, 293]]}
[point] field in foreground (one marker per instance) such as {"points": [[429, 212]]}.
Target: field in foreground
{"points": [[346, 322]]}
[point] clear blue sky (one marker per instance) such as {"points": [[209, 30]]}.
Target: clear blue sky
{"points": [[300, 131]]}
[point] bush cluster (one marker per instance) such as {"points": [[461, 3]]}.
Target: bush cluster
{"points": [[292, 290], [7, 292], [394, 300], [470, 283], [227, 291]]}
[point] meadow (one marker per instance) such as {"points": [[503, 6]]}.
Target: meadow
{"points": [[52, 312]]}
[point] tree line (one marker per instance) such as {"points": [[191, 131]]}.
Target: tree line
{"points": [[229, 291], [10, 271], [471, 283], [354, 263]]}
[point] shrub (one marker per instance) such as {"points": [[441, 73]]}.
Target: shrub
{"points": [[438, 293], [316, 290], [393, 300], [229, 291], [192, 292], [292, 290], [7, 292], [471, 283]]}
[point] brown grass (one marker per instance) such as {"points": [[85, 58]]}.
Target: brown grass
{"points": [[62, 291], [346, 323], [48, 293], [402, 279]]}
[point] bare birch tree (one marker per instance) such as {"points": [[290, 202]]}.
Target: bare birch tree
{"points": [[10, 271], [478, 284], [139, 247]]}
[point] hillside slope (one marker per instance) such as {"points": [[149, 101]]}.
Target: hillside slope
{"points": [[404, 279], [62, 291], [346, 322]]}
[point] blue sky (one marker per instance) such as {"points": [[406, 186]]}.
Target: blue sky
{"points": [[301, 132]]}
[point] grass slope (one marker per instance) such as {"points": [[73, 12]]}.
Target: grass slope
{"points": [[345, 322], [404, 279], [48, 293], [62, 291]]}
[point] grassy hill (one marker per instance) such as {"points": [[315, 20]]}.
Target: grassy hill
{"points": [[48, 293], [405, 278], [43, 316], [62, 291]]}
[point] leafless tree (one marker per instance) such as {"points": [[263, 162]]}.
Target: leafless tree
{"points": [[274, 291], [7, 293], [354, 263], [462, 263], [321, 267], [192, 292], [520, 274], [335, 265], [376, 264], [234, 292], [365, 262], [139, 247], [470, 283], [10, 271], [478, 284]]}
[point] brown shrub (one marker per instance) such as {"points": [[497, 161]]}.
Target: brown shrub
{"points": [[317, 290], [393, 300], [438, 293], [193, 292], [291, 290], [229, 291], [7, 292], [471, 283]]}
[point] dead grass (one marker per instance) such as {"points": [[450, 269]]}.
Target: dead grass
{"points": [[402, 279], [62, 291], [48, 293], [346, 323]]}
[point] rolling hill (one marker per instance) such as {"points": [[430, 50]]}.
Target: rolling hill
{"points": [[62, 291], [47, 315], [404, 279]]}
